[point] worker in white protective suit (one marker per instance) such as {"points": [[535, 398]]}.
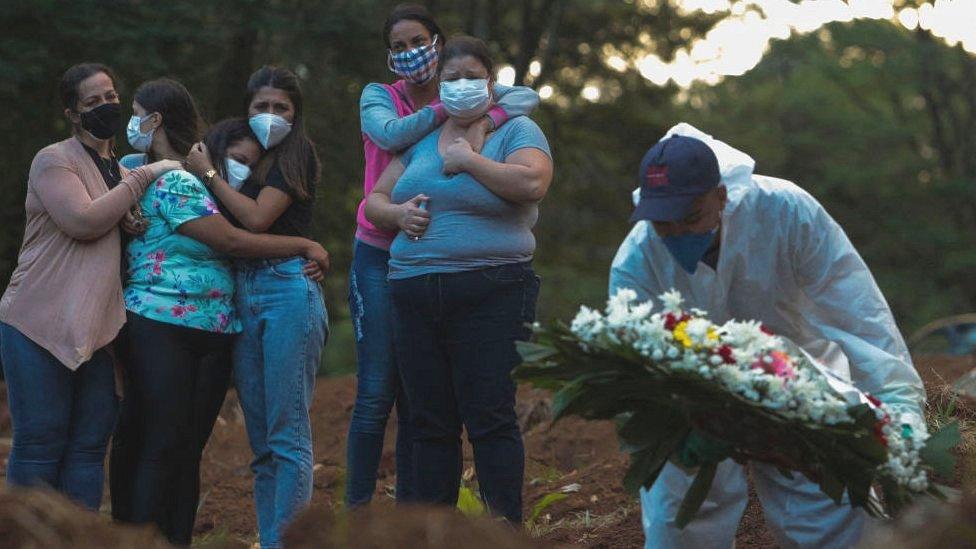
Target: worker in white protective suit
{"points": [[751, 247]]}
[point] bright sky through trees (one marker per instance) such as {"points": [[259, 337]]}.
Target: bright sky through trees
{"points": [[737, 43]]}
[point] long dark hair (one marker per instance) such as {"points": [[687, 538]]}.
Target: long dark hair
{"points": [[223, 135], [410, 12], [464, 46], [295, 155], [74, 76], [173, 102]]}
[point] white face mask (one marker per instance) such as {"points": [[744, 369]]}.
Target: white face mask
{"points": [[139, 141], [237, 173], [464, 98], [269, 128]]}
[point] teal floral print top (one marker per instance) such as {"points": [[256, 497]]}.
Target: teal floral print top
{"points": [[173, 278]]}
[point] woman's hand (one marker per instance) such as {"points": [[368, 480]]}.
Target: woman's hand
{"points": [[477, 133], [161, 167], [413, 219], [198, 160], [313, 271], [457, 155], [318, 261], [133, 222]]}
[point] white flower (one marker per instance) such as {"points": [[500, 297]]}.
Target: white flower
{"points": [[671, 300], [621, 300], [697, 329]]}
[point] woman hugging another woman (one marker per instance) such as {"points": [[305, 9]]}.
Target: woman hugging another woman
{"points": [[182, 317]]}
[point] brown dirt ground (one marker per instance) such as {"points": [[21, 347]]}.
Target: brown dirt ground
{"points": [[599, 515]]}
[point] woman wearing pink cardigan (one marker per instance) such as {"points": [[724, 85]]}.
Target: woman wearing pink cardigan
{"points": [[63, 306]]}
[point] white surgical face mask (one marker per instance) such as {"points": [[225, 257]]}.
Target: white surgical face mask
{"points": [[139, 141], [237, 173], [269, 128], [464, 98]]}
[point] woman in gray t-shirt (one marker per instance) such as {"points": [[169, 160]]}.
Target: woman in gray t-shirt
{"points": [[462, 282]]}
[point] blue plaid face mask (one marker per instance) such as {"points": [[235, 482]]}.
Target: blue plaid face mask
{"points": [[418, 65]]}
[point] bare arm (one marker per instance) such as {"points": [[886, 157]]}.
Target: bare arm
{"points": [[67, 202], [524, 177], [383, 213], [215, 231], [257, 215]]}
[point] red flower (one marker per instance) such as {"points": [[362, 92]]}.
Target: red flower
{"points": [[191, 308], [215, 293], [765, 330], [178, 311], [671, 321], [726, 353]]}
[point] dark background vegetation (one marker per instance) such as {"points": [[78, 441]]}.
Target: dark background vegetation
{"points": [[878, 122]]}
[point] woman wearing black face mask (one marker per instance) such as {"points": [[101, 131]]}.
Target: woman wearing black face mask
{"points": [[63, 305]]}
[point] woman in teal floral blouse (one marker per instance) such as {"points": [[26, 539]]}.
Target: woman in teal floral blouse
{"points": [[181, 317]]}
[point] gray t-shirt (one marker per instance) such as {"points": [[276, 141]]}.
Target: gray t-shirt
{"points": [[470, 226]]}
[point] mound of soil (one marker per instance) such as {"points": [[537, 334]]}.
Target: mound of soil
{"points": [[416, 527], [44, 519]]}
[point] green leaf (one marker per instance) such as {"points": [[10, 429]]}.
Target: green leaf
{"points": [[832, 486], [544, 503], [469, 503], [534, 352], [936, 452], [646, 464], [696, 494], [647, 426]]}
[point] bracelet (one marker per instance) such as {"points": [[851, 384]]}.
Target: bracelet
{"points": [[491, 122]]}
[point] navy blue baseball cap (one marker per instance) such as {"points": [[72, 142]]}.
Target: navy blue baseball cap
{"points": [[675, 172]]}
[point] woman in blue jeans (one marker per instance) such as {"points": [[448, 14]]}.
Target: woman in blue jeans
{"points": [[63, 306], [462, 282], [282, 311], [394, 117], [182, 315]]}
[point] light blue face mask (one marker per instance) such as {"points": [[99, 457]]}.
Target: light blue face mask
{"points": [[689, 249], [139, 141], [269, 128], [237, 173]]}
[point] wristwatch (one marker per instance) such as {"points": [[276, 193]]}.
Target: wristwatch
{"points": [[208, 176]]}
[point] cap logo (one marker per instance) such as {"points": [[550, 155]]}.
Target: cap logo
{"points": [[657, 176]]}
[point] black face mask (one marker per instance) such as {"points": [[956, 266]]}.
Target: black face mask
{"points": [[103, 121]]}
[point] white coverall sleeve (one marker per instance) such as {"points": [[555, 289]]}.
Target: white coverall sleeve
{"points": [[849, 309], [631, 266]]}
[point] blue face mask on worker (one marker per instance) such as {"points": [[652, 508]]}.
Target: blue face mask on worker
{"points": [[689, 249]]}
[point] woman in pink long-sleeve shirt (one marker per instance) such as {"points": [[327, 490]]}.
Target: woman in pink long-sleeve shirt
{"points": [[394, 117], [63, 306]]}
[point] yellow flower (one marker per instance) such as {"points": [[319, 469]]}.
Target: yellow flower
{"points": [[681, 335]]}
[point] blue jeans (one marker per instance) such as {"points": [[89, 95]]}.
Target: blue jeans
{"points": [[455, 342], [62, 420], [378, 378], [275, 361]]}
